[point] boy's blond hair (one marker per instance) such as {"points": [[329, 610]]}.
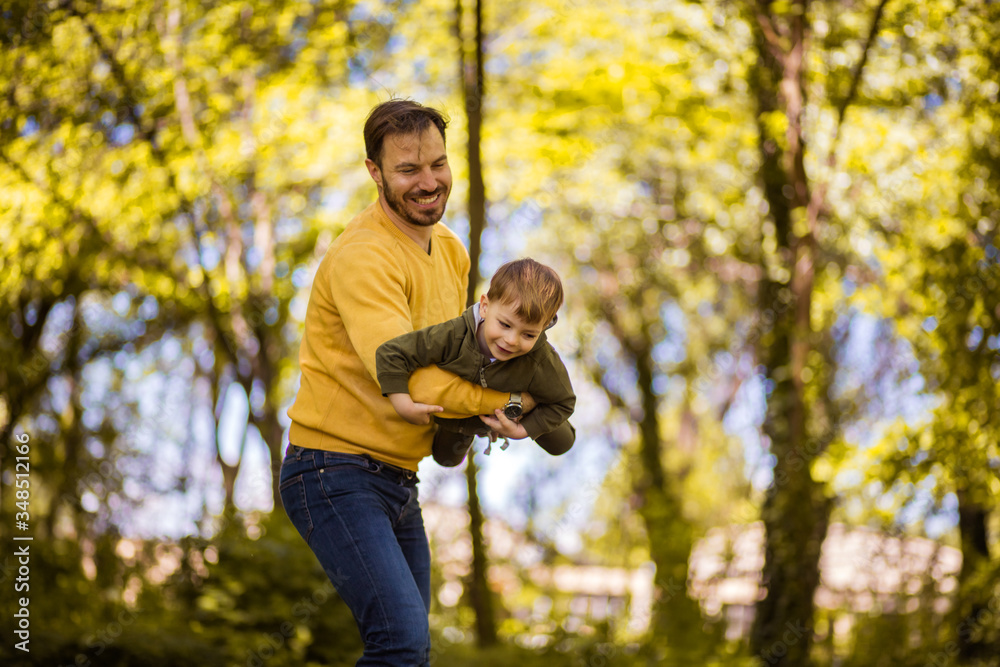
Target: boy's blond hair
{"points": [[534, 288]]}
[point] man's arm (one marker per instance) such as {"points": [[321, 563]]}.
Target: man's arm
{"points": [[434, 386], [367, 286], [398, 358], [415, 413]]}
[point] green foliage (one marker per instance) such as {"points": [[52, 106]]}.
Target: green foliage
{"points": [[232, 600], [170, 172]]}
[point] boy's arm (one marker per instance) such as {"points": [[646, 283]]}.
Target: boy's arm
{"points": [[556, 400], [396, 359], [551, 387], [368, 289], [559, 440], [547, 417]]}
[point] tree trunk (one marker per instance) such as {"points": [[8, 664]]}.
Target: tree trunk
{"points": [[676, 617], [977, 636], [973, 521], [478, 585], [471, 74], [795, 512], [471, 77]]}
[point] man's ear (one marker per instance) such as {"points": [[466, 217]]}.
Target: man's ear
{"points": [[374, 172]]}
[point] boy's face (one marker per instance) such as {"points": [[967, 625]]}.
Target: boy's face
{"points": [[503, 333]]}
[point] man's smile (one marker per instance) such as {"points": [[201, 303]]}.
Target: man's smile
{"points": [[427, 201]]}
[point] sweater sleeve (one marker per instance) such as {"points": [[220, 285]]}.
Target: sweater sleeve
{"points": [[435, 386], [369, 287]]}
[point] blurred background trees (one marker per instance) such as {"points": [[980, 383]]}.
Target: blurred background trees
{"points": [[776, 225]]}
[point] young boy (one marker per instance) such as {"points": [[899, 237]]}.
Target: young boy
{"points": [[500, 343]]}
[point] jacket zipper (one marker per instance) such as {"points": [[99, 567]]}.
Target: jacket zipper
{"points": [[482, 372]]}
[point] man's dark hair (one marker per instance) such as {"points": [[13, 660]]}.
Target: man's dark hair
{"points": [[398, 117]]}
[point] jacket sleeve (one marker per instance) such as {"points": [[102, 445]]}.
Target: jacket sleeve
{"points": [[559, 440], [369, 288], [551, 387]]}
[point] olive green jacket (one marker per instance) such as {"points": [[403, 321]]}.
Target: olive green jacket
{"points": [[452, 346]]}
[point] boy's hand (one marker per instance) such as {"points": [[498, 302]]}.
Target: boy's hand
{"points": [[415, 413], [504, 427]]}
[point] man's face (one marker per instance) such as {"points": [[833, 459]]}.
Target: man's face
{"points": [[414, 177], [503, 333]]}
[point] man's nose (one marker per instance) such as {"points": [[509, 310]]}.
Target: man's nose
{"points": [[426, 182]]}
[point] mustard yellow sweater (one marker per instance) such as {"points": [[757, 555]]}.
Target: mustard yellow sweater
{"points": [[374, 284]]}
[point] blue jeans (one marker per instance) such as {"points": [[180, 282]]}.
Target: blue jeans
{"points": [[362, 519]]}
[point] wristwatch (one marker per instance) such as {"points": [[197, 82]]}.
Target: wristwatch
{"points": [[513, 409]]}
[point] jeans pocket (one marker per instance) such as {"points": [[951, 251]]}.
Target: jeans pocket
{"points": [[293, 497]]}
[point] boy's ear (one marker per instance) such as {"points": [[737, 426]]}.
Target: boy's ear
{"points": [[484, 303]]}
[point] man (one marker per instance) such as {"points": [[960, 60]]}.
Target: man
{"points": [[348, 481]]}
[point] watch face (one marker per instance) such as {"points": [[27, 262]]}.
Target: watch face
{"points": [[512, 411]]}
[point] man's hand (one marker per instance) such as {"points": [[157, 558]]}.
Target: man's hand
{"points": [[504, 427], [527, 403], [415, 413]]}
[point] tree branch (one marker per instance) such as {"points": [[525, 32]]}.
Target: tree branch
{"points": [[118, 71], [818, 196], [860, 67]]}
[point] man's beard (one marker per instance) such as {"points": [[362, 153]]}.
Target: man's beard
{"points": [[398, 205]]}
